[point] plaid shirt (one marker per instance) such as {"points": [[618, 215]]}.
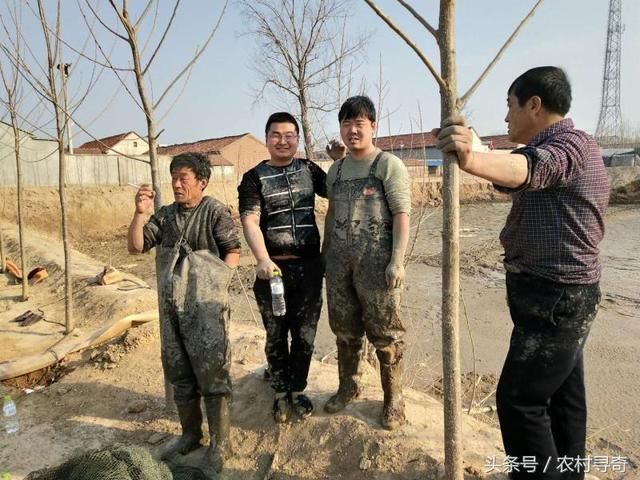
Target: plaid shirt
{"points": [[557, 217]]}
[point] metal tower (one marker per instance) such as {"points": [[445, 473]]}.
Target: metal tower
{"points": [[609, 130]]}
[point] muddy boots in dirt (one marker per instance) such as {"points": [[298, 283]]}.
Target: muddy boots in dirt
{"points": [[190, 416], [391, 376], [349, 375], [219, 419]]}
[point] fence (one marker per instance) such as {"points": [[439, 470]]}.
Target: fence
{"points": [[40, 170]]}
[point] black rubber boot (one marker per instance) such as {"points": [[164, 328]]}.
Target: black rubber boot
{"points": [[219, 419], [349, 374], [190, 416], [391, 377]]}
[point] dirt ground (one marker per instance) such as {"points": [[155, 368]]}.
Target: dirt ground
{"points": [[114, 393]]}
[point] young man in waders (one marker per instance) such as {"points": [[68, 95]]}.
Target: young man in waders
{"points": [[197, 247], [366, 234]]}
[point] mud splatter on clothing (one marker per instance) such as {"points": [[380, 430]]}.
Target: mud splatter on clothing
{"points": [[193, 301], [303, 297], [541, 395], [358, 249]]}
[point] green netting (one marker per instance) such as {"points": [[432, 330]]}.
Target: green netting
{"points": [[118, 462]]}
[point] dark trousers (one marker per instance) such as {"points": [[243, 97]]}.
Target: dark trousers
{"points": [[541, 395], [303, 297]]}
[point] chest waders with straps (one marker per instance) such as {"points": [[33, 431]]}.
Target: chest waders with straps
{"points": [[358, 252], [194, 328]]}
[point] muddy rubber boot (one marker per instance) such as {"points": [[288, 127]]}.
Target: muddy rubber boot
{"points": [[219, 420], [190, 416], [393, 409], [349, 374]]}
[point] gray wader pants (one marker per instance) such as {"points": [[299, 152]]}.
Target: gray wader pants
{"points": [[194, 322], [357, 254]]}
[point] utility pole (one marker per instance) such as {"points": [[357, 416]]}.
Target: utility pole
{"points": [[64, 73]]}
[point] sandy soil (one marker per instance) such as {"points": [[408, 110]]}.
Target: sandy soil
{"points": [[93, 404]]}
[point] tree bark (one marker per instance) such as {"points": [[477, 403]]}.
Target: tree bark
{"points": [[450, 253], [2, 259], [21, 235], [149, 112], [305, 125]]}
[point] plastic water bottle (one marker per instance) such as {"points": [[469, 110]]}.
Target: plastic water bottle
{"points": [[10, 415], [277, 295]]}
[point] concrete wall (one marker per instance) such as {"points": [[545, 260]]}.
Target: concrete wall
{"points": [[38, 158], [40, 169]]}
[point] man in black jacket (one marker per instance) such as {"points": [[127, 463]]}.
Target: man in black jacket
{"points": [[276, 200]]}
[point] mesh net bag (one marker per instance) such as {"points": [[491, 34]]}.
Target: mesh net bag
{"points": [[119, 462]]}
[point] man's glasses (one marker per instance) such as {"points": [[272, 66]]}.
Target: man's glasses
{"points": [[288, 137]]}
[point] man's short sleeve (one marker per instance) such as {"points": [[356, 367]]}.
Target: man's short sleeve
{"points": [[319, 179], [249, 196], [152, 232], [225, 232], [331, 177], [397, 187]]}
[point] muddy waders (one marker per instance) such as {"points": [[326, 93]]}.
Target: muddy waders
{"points": [[194, 326], [357, 254]]}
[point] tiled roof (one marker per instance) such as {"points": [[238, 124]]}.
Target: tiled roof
{"points": [[85, 151], [217, 160], [499, 142], [104, 144], [200, 146]]}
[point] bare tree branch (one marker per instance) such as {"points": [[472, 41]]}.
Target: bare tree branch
{"points": [[194, 59], [106, 57], [113, 32], [144, 14], [464, 98], [419, 17], [409, 42], [164, 35]]}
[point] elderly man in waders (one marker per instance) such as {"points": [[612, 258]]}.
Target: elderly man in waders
{"points": [[197, 246], [367, 230]]}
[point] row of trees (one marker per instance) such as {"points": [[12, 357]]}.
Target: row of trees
{"points": [[305, 53]]}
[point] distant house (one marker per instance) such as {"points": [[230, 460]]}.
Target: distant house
{"points": [[419, 152], [499, 143], [128, 143], [242, 151]]}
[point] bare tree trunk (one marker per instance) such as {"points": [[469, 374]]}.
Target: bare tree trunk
{"points": [[68, 285], [149, 112], [21, 235], [306, 127], [53, 56], [450, 253], [2, 259]]}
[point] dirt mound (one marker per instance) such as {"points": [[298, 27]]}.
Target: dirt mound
{"points": [[625, 184]]}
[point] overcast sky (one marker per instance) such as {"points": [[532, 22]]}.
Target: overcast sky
{"points": [[218, 100]]}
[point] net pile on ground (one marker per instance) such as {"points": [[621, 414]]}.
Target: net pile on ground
{"points": [[118, 462]]}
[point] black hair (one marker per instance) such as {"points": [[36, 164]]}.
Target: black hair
{"points": [[281, 117], [196, 162], [358, 106], [549, 83]]}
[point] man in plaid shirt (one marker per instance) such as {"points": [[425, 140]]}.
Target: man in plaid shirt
{"points": [[558, 184]]}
